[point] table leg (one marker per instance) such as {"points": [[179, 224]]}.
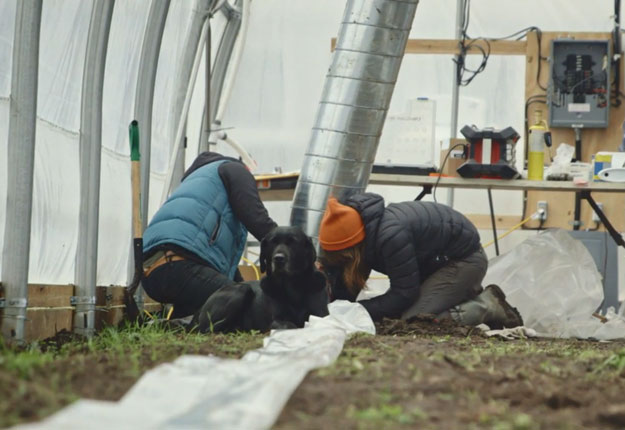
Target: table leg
{"points": [[578, 212], [492, 220], [427, 189], [606, 222]]}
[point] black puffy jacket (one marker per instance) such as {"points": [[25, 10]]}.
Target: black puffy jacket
{"points": [[409, 241]]}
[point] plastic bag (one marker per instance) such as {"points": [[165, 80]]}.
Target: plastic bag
{"points": [[561, 165], [553, 281]]}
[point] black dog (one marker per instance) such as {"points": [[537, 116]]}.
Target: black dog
{"points": [[292, 290]]}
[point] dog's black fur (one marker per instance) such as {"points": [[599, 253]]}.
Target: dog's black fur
{"points": [[292, 290]]}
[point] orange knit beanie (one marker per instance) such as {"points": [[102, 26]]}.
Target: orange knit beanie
{"points": [[341, 227]]}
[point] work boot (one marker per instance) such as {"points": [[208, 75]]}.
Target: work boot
{"points": [[489, 308]]}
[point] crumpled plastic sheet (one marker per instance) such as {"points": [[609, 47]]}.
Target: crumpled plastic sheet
{"points": [[208, 392], [553, 281], [520, 332]]}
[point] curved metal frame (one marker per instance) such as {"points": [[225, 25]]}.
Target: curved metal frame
{"points": [[200, 15], [90, 146], [144, 97], [220, 68], [144, 104], [20, 167]]}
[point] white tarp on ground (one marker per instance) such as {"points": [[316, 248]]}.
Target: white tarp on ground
{"points": [[553, 281], [208, 392]]}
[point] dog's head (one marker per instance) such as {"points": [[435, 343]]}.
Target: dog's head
{"points": [[287, 251]]}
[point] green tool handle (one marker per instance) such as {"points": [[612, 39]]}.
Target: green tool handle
{"points": [[133, 130]]}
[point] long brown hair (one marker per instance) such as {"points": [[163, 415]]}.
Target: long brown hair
{"points": [[355, 271]]}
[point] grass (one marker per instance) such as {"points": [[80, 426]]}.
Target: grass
{"points": [[385, 413], [129, 341], [42, 377], [22, 363], [398, 381]]}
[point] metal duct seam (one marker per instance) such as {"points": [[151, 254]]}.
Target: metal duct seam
{"points": [[354, 102]]}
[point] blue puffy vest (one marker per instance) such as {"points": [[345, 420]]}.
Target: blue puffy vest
{"points": [[198, 217]]}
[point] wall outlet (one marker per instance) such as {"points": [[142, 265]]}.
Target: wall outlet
{"points": [[595, 217], [542, 210]]}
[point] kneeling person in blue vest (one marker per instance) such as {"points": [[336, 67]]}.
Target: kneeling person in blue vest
{"points": [[193, 245]]}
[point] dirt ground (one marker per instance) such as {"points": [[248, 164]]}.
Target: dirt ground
{"points": [[430, 376], [411, 375]]}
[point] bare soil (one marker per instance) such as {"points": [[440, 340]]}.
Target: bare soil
{"points": [[432, 375], [424, 374]]}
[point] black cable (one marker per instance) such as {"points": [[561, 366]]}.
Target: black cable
{"points": [[597, 225], [460, 60], [443, 166], [616, 63], [523, 33], [467, 42], [605, 253], [540, 58]]}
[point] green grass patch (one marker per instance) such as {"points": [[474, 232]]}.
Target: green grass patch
{"points": [[42, 377], [385, 413]]}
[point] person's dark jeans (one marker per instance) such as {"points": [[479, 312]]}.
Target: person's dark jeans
{"points": [[451, 285], [185, 284]]}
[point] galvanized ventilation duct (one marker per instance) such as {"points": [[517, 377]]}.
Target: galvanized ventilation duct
{"points": [[356, 96]]}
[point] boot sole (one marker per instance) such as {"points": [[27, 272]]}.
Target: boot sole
{"points": [[511, 313]]}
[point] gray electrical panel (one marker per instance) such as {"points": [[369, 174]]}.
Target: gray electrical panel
{"points": [[579, 83]]}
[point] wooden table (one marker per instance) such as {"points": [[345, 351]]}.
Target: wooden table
{"points": [[282, 188]]}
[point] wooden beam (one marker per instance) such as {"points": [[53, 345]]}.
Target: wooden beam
{"points": [[50, 311], [450, 46], [502, 222], [110, 306]]}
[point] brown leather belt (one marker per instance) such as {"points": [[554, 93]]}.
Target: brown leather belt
{"points": [[166, 257]]}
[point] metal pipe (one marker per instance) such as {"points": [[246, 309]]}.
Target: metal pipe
{"points": [[356, 96], [234, 66], [194, 35], [219, 69], [144, 97], [176, 151], [20, 167], [90, 146], [144, 103], [455, 91], [206, 118]]}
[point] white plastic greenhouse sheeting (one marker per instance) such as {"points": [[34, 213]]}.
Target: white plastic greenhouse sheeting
{"points": [[272, 108], [209, 392], [64, 28]]}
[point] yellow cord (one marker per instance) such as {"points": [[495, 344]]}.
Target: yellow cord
{"points": [[253, 267], [171, 311], [509, 231], [149, 314]]}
